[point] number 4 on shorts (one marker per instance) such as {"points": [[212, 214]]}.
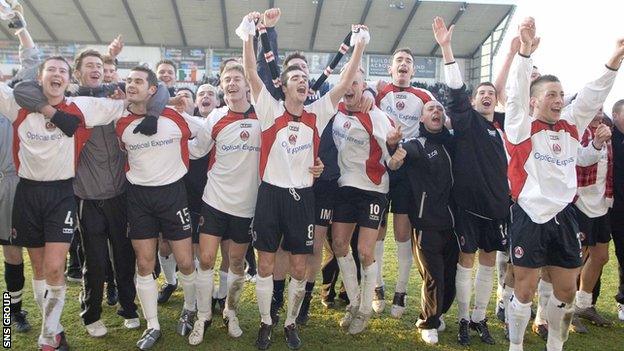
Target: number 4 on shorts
{"points": [[69, 219]]}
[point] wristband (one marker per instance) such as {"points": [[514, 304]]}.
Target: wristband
{"points": [[525, 56], [611, 68], [594, 145], [370, 90]]}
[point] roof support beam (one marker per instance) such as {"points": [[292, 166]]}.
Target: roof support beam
{"points": [[133, 21], [509, 13], [40, 19], [226, 35], [405, 25], [365, 12], [507, 20], [87, 21], [6, 32], [178, 20], [317, 17], [458, 15]]}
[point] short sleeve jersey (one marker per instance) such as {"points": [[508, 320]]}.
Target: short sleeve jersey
{"points": [[361, 142], [404, 106], [233, 140], [40, 150], [162, 158]]}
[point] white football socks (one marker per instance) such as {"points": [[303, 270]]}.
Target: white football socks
{"points": [[349, 278], [147, 291], [203, 286], [484, 280]]}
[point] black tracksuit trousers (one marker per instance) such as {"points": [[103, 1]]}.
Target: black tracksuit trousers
{"points": [[437, 253], [103, 222]]}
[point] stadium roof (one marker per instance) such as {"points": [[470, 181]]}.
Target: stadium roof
{"points": [[307, 25]]}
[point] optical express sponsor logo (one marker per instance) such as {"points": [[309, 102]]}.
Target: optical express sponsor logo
{"points": [[43, 137], [296, 149], [242, 147], [401, 116], [151, 143], [550, 159], [342, 135]]}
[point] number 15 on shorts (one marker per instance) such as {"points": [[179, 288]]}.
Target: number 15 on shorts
{"points": [[185, 217]]}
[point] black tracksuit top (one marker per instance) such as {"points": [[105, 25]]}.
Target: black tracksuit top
{"points": [[428, 167], [480, 162]]}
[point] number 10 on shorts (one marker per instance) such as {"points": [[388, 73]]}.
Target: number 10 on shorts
{"points": [[374, 212]]}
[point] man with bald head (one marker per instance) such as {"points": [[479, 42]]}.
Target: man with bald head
{"points": [[480, 190], [428, 165]]}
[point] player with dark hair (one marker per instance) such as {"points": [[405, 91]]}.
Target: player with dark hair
{"points": [[543, 147], [284, 209], [480, 191]]}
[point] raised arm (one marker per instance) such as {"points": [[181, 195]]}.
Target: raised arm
{"points": [[249, 60], [517, 117], [593, 95], [115, 47], [346, 79], [459, 107], [270, 19], [501, 78], [28, 52], [443, 37]]}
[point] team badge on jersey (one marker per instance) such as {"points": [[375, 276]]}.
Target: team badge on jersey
{"points": [[400, 105], [244, 135], [292, 139], [50, 126], [346, 125], [556, 149], [518, 252]]}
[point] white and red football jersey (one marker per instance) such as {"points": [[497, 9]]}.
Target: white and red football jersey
{"points": [[404, 106], [542, 168], [362, 152], [233, 140], [162, 158], [40, 150], [290, 143]]}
